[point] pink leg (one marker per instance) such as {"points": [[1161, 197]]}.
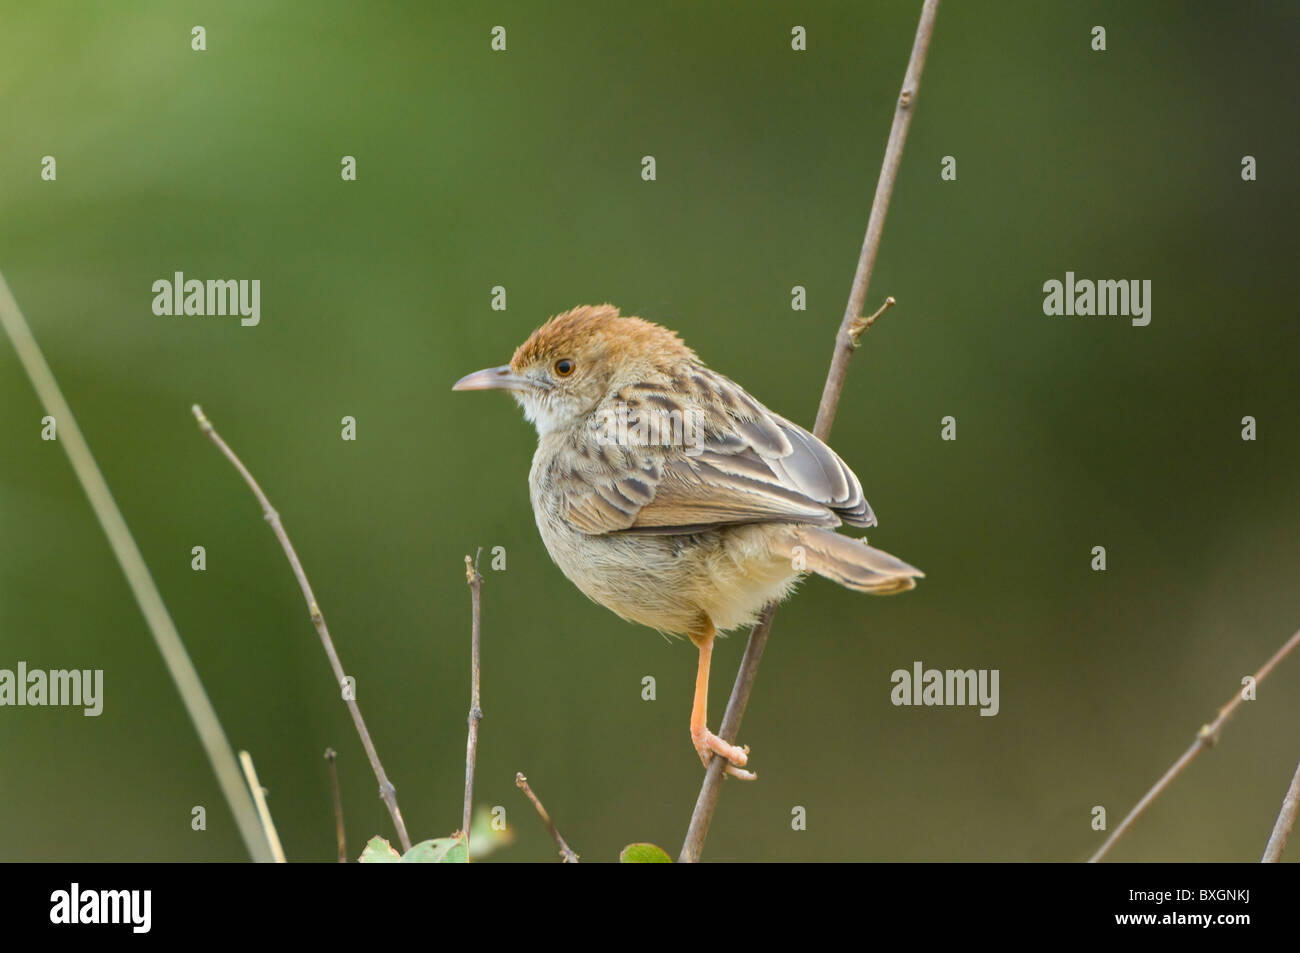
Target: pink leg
{"points": [[707, 744]]}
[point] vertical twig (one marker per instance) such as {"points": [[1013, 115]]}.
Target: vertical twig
{"points": [[1285, 822], [330, 757], [846, 341], [475, 709], [386, 789], [263, 812], [1205, 738], [178, 662], [566, 852]]}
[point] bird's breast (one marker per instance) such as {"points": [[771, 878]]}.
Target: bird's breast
{"points": [[664, 582]]}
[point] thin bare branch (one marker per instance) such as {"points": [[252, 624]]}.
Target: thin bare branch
{"points": [[179, 665], [845, 341], [263, 812], [331, 756], [386, 789], [1205, 738], [1285, 822], [566, 852], [475, 709], [851, 328]]}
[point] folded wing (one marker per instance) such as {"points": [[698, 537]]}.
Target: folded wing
{"points": [[729, 461]]}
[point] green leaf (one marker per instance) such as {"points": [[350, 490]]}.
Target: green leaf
{"points": [[439, 850], [458, 853], [379, 851], [644, 854]]}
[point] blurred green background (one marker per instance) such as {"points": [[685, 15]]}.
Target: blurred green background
{"points": [[522, 169]]}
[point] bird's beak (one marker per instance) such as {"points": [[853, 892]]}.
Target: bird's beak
{"points": [[492, 378]]}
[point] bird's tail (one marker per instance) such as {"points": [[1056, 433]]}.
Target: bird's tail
{"points": [[848, 561]]}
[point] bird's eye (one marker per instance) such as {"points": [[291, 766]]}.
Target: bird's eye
{"points": [[563, 367]]}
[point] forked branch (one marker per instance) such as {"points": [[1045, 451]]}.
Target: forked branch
{"points": [[846, 341]]}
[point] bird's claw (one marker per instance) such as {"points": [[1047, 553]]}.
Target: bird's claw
{"points": [[707, 744]]}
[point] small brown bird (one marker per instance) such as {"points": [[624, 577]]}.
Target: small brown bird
{"points": [[670, 496]]}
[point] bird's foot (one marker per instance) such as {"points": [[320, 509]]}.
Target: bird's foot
{"points": [[707, 744]]}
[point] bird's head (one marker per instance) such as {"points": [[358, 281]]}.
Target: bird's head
{"points": [[568, 365]]}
